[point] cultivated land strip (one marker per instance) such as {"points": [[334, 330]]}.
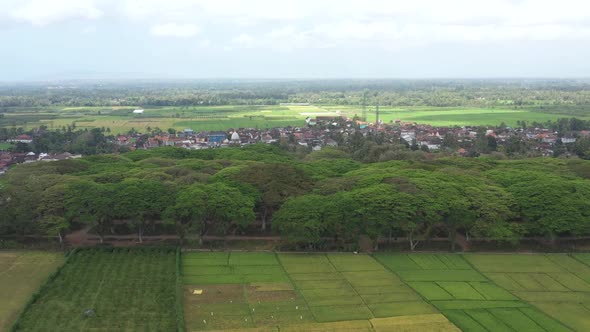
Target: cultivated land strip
{"points": [[262, 291], [140, 293], [556, 284], [475, 303], [22, 272]]}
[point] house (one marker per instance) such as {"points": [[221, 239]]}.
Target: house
{"points": [[21, 139], [122, 140], [58, 156], [216, 137], [330, 142]]}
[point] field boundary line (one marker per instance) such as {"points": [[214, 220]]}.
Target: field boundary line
{"points": [[295, 286], [39, 291], [419, 294], [351, 286], [250, 309], [578, 260], [95, 298], [405, 282], [529, 304], [180, 321], [441, 287]]}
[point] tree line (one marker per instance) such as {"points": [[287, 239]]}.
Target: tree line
{"points": [[543, 95], [324, 198]]}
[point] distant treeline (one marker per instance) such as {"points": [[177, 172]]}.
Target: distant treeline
{"points": [[545, 95], [327, 196]]}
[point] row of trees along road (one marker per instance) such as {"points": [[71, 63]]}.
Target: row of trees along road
{"points": [[327, 197]]}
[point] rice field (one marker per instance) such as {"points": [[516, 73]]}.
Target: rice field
{"points": [[556, 284], [209, 118], [300, 292], [139, 290], [21, 274], [454, 116], [467, 297], [107, 290]]}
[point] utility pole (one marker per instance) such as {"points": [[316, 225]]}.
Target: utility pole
{"points": [[364, 104], [376, 109]]}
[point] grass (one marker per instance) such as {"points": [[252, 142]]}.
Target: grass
{"points": [[208, 118], [128, 290], [417, 323], [352, 281], [134, 290], [239, 290], [237, 268], [467, 297], [5, 146], [455, 116], [557, 284], [303, 292], [21, 274]]}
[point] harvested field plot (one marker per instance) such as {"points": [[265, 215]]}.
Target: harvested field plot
{"points": [[557, 284], [21, 274], [466, 296], [108, 290], [239, 290]]}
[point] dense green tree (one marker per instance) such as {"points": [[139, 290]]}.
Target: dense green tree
{"points": [[92, 204], [553, 206], [201, 208], [302, 220], [276, 183], [142, 202]]}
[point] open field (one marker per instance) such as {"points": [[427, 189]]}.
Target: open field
{"points": [[21, 274], [557, 284], [124, 289], [134, 290], [454, 116], [203, 118], [199, 118], [300, 292], [465, 296]]}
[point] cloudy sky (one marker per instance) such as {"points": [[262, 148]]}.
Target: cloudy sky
{"points": [[62, 39]]}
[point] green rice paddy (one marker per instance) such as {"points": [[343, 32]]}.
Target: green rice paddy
{"points": [[208, 118], [136, 290]]}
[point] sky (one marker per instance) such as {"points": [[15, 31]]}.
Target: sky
{"points": [[305, 39]]}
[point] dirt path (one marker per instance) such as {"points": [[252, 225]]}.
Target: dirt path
{"points": [[82, 238]]}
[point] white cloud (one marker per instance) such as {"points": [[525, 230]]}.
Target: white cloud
{"points": [[244, 40], [289, 24], [42, 12], [175, 30]]}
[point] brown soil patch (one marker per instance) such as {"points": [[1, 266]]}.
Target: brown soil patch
{"points": [[214, 294], [270, 296]]}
